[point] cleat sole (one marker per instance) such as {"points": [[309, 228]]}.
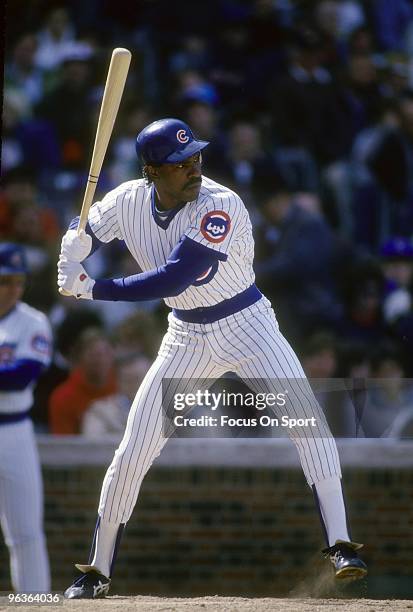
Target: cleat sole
{"points": [[351, 573]]}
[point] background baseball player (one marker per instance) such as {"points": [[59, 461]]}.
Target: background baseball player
{"points": [[25, 350], [193, 240]]}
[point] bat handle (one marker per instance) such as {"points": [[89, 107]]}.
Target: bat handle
{"points": [[87, 201]]}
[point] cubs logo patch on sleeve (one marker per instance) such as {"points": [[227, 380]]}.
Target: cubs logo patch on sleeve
{"points": [[215, 226], [41, 344]]}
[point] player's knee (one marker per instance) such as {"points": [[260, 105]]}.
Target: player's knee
{"points": [[25, 539]]}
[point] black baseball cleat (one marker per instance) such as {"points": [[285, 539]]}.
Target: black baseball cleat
{"points": [[347, 564], [89, 585]]}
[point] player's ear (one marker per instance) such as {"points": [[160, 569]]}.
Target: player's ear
{"points": [[152, 172]]}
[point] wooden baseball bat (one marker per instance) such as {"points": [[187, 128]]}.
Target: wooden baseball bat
{"points": [[115, 83]]}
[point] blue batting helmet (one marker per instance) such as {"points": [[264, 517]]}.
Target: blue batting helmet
{"points": [[167, 141], [397, 248], [12, 259]]}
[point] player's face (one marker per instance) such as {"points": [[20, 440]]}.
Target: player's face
{"points": [[180, 182], [11, 291]]}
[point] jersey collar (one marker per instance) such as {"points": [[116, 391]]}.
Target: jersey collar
{"points": [[6, 314], [163, 220]]}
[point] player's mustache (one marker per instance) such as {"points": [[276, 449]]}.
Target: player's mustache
{"points": [[193, 182]]}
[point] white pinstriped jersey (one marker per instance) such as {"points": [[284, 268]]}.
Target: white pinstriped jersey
{"points": [[217, 219], [24, 334]]}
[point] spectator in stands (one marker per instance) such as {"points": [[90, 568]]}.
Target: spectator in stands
{"points": [[359, 104], [303, 103], [339, 18], [363, 290], [361, 97], [24, 220], [391, 163], [297, 250], [394, 76], [367, 208], [25, 140], [248, 166], [15, 109], [388, 393], [21, 72], [265, 50], [74, 92], [18, 188], [92, 377], [228, 74], [193, 54], [188, 86], [319, 355], [52, 39], [397, 264], [67, 331], [391, 20], [360, 41], [108, 416]]}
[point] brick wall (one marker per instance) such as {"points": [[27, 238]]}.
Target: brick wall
{"points": [[228, 529]]}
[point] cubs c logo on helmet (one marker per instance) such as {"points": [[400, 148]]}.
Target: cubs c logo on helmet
{"points": [[181, 136], [16, 260], [215, 226]]}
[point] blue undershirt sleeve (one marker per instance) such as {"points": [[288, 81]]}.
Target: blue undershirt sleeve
{"points": [[186, 263], [18, 375], [96, 243]]}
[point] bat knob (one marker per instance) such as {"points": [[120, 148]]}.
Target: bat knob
{"points": [[64, 292]]}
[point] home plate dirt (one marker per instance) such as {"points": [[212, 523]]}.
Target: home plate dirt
{"points": [[220, 604]]}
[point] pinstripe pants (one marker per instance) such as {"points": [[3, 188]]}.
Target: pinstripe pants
{"points": [[248, 343], [21, 507]]}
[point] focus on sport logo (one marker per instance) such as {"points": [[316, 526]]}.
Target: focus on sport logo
{"points": [[215, 226], [182, 136]]}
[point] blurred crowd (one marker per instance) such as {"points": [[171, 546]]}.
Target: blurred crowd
{"points": [[308, 106]]}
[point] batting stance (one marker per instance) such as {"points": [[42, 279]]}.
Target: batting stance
{"points": [[193, 240], [25, 350]]}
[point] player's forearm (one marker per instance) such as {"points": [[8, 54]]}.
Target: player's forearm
{"points": [[152, 285], [19, 375]]}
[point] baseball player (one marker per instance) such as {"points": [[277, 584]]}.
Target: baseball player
{"points": [[192, 238], [25, 351]]}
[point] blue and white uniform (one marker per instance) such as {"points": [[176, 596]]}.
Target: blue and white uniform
{"points": [[25, 350], [198, 256], [218, 324]]}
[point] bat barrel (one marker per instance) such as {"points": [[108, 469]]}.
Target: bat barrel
{"points": [[115, 83]]}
